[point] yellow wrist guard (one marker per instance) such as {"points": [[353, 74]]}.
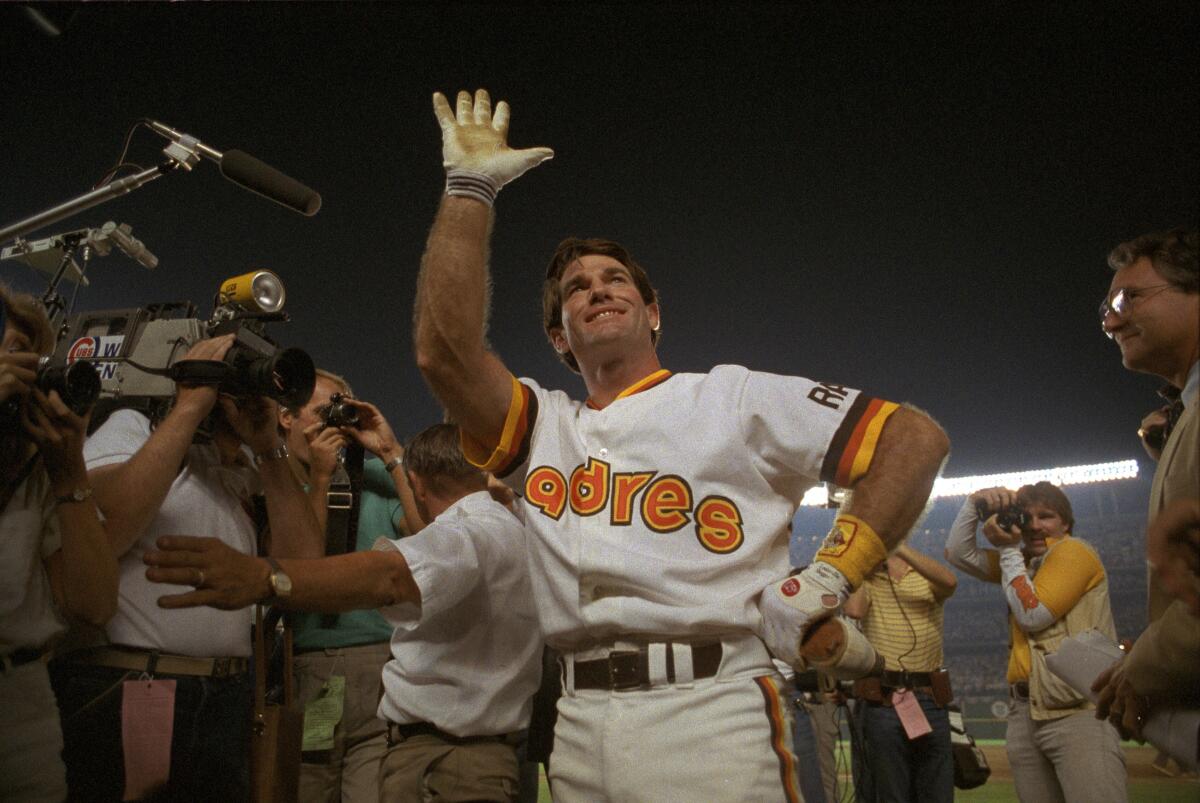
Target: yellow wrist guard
{"points": [[853, 548]]}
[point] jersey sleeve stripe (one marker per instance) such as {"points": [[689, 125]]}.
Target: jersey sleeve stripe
{"points": [[513, 447], [853, 445]]}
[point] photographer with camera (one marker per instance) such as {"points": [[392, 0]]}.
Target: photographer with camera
{"points": [[56, 564], [1055, 587], [190, 667], [344, 654]]}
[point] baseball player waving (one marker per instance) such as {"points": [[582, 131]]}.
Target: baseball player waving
{"points": [[658, 507]]}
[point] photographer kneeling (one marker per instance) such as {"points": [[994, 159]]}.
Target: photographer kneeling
{"points": [[1056, 587]]}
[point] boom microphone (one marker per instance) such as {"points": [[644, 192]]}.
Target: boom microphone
{"points": [[134, 248], [252, 174]]}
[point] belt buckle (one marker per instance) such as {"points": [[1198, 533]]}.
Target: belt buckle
{"points": [[623, 670], [220, 667], [339, 500]]}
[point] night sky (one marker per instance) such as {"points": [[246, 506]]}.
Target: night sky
{"points": [[914, 200]]}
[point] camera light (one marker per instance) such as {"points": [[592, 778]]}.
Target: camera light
{"points": [[259, 289]]}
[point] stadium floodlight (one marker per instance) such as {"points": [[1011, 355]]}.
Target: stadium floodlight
{"points": [[1059, 475]]}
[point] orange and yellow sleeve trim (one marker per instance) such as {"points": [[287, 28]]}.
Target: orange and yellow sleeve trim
{"points": [[849, 454], [513, 447], [645, 383]]}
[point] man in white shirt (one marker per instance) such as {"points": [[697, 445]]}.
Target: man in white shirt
{"points": [[466, 653]]}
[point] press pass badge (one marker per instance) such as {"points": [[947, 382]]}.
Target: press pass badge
{"points": [[910, 713], [322, 715], [147, 725]]}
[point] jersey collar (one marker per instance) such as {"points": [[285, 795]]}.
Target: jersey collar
{"points": [[645, 383]]}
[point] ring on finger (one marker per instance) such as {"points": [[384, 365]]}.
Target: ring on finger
{"points": [[200, 580]]}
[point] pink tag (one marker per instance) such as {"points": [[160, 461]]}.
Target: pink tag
{"points": [[908, 708], [147, 724]]}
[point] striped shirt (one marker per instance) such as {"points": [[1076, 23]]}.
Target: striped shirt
{"points": [[904, 622]]}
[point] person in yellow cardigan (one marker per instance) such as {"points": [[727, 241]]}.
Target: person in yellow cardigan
{"points": [[1055, 587]]}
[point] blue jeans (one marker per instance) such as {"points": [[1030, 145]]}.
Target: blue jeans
{"points": [[210, 744], [896, 768]]}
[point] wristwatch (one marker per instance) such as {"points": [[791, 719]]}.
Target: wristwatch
{"points": [[281, 584], [391, 465], [280, 452], [77, 495]]}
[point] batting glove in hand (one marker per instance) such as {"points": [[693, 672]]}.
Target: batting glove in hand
{"points": [[474, 142], [791, 605]]}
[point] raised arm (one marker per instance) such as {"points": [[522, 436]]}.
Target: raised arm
{"points": [[450, 319], [962, 549], [942, 580], [154, 466], [83, 572]]}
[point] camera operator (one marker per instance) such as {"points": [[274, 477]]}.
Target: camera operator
{"points": [[55, 559], [152, 479], [355, 645], [1055, 587]]}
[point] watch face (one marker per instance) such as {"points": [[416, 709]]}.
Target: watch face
{"points": [[282, 583]]}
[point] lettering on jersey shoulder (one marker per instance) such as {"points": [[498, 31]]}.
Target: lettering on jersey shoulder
{"points": [[665, 503], [828, 395], [546, 489]]}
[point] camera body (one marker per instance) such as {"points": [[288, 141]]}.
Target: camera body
{"points": [[1007, 517], [338, 413], [137, 354], [78, 386]]}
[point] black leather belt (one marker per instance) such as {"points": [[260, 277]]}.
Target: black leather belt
{"points": [[397, 732], [1020, 689], [905, 680], [627, 670], [25, 655]]}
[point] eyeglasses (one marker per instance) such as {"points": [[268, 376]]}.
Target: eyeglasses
{"points": [[1122, 301]]}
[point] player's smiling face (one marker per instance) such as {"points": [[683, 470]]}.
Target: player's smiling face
{"points": [[601, 307]]}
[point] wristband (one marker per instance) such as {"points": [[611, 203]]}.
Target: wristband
{"points": [[853, 548], [280, 452], [391, 465], [469, 184]]}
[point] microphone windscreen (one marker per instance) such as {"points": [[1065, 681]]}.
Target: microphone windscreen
{"points": [[256, 176]]}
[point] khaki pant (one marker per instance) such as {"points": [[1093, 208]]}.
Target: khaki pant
{"points": [[426, 768], [31, 769], [350, 771], [1070, 759]]}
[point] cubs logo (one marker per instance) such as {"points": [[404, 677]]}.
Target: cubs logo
{"points": [[81, 349], [790, 587]]}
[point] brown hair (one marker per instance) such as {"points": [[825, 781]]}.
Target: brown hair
{"points": [[435, 455], [566, 253], [1050, 495], [29, 317], [1174, 255]]}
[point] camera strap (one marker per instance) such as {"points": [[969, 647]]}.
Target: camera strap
{"points": [[342, 505], [198, 372]]}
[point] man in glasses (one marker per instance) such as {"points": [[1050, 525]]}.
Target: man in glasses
{"points": [[1153, 313]]}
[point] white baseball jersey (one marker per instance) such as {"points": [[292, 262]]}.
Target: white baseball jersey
{"points": [[668, 511]]}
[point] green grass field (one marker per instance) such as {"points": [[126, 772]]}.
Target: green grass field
{"points": [[1145, 784]]}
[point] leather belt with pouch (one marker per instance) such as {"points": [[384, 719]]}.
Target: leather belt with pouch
{"points": [[629, 670], [878, 689]]}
